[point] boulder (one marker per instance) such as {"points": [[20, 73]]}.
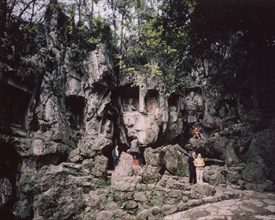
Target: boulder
{"points": [[169, 209], [124, 167], [215, 175], [152, 213], [199, 191], [152, 156], [140, 197], [176, 160], [150, 174], [260, 164], [59, 202], [130, 204], [104, 215]]}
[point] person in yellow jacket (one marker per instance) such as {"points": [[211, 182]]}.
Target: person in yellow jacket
{"points": [[199, 164]]}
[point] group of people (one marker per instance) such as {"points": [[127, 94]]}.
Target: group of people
{"points": [[134, 150], [195, 161], [196, 165]]}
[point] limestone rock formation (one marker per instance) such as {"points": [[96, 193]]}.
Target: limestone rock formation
{"points": [[58, 130]]}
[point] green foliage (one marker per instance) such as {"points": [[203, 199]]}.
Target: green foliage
{"points": [[88, 36], [226, 43], [131, 172], [182, 169], [159, 47], [26, 67], [84, 37], [27, 188], [102, 182], [49, 205]]}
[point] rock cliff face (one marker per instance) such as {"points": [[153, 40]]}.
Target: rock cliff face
{"points": [[58, 132]]}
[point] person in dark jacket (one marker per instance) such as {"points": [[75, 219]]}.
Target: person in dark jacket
{"points": [[192, 168], [115, 155], [162, 163]]}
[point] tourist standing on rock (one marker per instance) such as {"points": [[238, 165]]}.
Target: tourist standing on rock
{"points": [[162, 163], [192, 168], [199, 164], [115, 155]]}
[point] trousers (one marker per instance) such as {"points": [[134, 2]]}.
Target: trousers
{"points": [[199, 173]]}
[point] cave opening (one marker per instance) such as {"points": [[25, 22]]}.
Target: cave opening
{"points": [[267, 101], [75, 111], [9, 165], [107, 152], [99, 88], [173, 100], [14, 105]]}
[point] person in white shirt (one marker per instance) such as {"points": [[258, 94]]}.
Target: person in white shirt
{"points": [[199, 164]]}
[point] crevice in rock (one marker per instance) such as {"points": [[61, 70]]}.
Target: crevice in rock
{"points": [[173, 100], [54, 159], [9, 163], [75, 111], [14, 105]]}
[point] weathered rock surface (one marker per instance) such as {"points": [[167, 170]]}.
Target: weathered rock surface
{"points": [[57, 133]]}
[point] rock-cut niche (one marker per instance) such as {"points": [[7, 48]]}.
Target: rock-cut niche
{"points": [[14, 105], [75, 111], [152, 100], [129, 98], [9, 162]]}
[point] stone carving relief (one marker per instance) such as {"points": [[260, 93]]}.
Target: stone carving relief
{"points": [[175, 122], [151, 104], [106, 128], [193, 106], [5, 191], [152, 101], [50, 109], [74, 86], [227, 106], [130, 105], [152, 112], [38, 147]]}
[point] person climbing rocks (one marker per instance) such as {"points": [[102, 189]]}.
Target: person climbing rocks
{"points": [[162, 163], [196, 132], [115, 155], [192, 168], [199, 164]]}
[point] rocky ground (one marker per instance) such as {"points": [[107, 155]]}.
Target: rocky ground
{"points": [[250, 205], [55, 155]]}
